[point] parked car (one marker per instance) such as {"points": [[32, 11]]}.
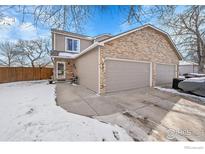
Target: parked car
{"points": [[193, 85]]}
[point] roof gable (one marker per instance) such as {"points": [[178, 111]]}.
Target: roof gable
{"points": [[76, 35], [142, 27]]}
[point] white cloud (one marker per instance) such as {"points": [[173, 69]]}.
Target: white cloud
{"points": [[27, 31], [5, 35], [26, 26], [6, 24], [8, 21], [13, 30]]}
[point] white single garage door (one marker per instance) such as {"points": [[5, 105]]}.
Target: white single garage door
{"points": [[123, 75], [165, 73]]}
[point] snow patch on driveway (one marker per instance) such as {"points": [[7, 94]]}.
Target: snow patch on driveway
{"points": [[28, 112], [180, 93]]}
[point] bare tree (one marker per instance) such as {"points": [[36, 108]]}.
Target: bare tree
{"points": [[21, 59], [188, 29], [187, 25], [36, 52], [3, 9], [66, 17], [7, 53], [143, 14], [74, 17], [46, 59]]}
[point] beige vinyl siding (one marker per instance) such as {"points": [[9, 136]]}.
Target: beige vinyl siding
{"points": [[165, 73], [87, 69], [124, 75], [60, 42]]}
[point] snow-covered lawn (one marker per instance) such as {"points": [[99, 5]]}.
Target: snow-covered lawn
{"points": [[28, 112]]}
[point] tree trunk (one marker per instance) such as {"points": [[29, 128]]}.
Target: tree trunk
{"points": [[32, 64], [9, 63], [201, 57], [202, 64]]}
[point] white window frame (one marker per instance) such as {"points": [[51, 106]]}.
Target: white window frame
{"points": [[64, 74], [66, 44]]}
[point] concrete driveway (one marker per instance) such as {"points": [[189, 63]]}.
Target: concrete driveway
{"points": [[79, 100], [147, 114]]}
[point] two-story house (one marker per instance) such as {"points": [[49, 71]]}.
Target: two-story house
{"points": [[143, 57]]}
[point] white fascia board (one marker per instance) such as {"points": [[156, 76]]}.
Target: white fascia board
{"points": [[85, 38], [88, 49], [64, 57]]}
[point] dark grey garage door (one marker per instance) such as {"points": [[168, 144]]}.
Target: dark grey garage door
{"points": [[165, 73], [124, 75]]}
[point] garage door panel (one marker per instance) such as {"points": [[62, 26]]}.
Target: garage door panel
{"points": [[165, 74], [123, 75]]}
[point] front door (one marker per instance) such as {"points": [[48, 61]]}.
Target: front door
{"points": [[61, 71]]}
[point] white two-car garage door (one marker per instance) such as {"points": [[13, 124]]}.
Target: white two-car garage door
{"points": [[165, 73], [126, 74]]}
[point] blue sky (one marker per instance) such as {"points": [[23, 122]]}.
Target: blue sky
{"points": [[109, 21], [112, 21]]}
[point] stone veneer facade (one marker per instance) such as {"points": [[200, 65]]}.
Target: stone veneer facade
{"points": [[146, 44]]}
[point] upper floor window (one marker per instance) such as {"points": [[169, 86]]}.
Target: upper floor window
{"points": [[72, 45]]}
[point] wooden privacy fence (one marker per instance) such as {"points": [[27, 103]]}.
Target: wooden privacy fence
{"points": [[11, 74]]}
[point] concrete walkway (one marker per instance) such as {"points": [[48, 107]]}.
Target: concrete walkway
{"points": [[79, 100], [146, 114]]}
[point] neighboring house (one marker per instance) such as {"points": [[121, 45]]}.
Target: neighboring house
{"points": [[142, 57], [188, 67]]}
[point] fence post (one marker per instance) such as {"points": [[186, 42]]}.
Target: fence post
{"points": [[33, 70], [39, 70]]}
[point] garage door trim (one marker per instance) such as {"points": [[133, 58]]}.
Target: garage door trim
{"points": [[175, 75], [134, 61], [128, 60], [176, 72]]}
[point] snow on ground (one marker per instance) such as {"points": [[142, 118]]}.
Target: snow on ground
{"points": [[180, 93], [197, 74], [181, 77], [196, 79], [28, 112]]}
